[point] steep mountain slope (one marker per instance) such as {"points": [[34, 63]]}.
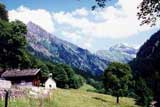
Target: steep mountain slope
{"points": [[48, 46], [147, 65], [151, 48], [118, 53]]}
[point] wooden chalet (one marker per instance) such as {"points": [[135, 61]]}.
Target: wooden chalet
{"points": [[23, 77]]}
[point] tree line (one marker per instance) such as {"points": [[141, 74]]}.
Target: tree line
{"points": [[14, 54]]}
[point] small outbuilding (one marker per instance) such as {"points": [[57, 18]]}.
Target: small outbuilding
{"points": [[50, 83], [23, 77]]}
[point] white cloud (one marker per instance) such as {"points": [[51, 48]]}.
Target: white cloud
{"points": [[80, 12], [40, 17], [83, 26], [87, 44], [76, 38], [72, 36], [118, 21]]}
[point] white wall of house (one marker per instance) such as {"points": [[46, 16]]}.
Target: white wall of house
{"points": [[50, 84], [4, 84]]}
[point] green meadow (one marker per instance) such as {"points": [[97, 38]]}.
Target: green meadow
{"points": [[72, 98]]}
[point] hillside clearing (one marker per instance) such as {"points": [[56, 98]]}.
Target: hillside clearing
{"points": [[73, 98], [79, 98]]}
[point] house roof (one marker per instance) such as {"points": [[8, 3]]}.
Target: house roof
{"points": [[20, 73], [1, 71]]}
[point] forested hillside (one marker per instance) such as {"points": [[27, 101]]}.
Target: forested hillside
{"points": [[14, 54], [146, 70]]}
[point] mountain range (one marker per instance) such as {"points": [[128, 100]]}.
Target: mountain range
{"points": [[118, 53], [47, 46]]}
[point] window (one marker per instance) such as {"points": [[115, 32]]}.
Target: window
{"points": [[50, 86]]}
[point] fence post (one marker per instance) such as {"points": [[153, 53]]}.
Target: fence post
{"points": [[6, 98]]}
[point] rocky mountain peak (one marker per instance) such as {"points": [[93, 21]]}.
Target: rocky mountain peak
{"points": [[123, 48], [47, 46]]}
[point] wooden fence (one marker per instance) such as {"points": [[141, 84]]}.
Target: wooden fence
{"points": [[24, 97]]}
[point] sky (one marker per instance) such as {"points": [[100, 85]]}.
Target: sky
{"points": [[74, 21]]}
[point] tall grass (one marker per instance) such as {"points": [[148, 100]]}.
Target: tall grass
{"points": [[71, 98]]}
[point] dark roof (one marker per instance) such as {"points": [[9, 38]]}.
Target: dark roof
{"points": [[1, 71], [20, 73]]}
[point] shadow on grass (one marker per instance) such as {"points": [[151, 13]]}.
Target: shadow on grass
{"points": [[100, 99]]}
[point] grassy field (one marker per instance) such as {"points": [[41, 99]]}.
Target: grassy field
{"points": [[73, 98]]}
